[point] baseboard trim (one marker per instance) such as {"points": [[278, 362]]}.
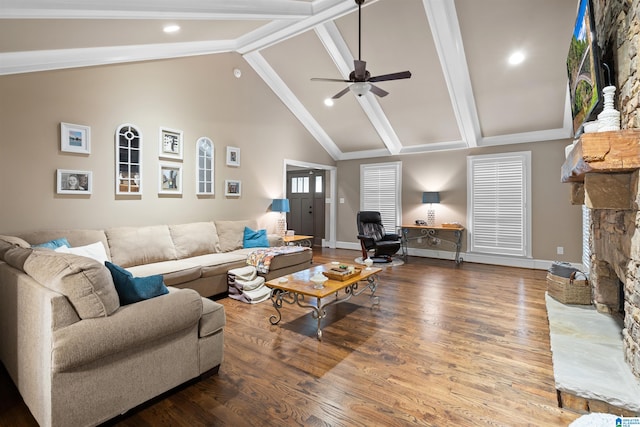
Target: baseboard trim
{"points": [[531, 263]]}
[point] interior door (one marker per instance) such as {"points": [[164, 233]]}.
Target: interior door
{"points": [[306, 194]]}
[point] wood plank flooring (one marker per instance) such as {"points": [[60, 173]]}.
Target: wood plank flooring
{"points": [[463, 346]]}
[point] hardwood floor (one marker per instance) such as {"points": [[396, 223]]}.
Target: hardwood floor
{"points": [[463, 346]]}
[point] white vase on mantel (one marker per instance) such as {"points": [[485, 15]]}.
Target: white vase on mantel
{"points": [[609, 118]]}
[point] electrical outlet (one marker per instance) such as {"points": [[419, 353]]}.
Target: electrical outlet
{"points": [[560, 250], [419, 240]]}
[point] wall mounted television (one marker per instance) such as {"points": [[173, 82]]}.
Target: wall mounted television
{"points": [[584, 68]]}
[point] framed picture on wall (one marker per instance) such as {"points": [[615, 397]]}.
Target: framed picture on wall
{"points": [[232, 188], [233, 156], [75, 138], [170, 178], [205, 180], [170, 143], [73, 181]]}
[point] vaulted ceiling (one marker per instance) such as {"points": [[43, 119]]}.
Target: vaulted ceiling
{"points": [[462, 93]]}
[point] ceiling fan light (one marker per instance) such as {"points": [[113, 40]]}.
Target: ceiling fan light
{"points": [[360, 88]]}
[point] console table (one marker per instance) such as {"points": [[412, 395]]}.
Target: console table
{"points": [[434, 235]]}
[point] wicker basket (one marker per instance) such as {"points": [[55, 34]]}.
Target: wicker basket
{"points": [[342, 274], [568, 290]]}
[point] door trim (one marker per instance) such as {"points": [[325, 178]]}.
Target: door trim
{"points": [[330, 197]]}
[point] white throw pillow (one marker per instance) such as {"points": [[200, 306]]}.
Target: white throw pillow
{"points": [[94, 250]]}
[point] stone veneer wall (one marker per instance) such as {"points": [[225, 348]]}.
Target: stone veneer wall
{"points": [[615, 235]]}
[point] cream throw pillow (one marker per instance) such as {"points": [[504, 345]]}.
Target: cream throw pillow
{"points": [[85, 282], [94, 251]]}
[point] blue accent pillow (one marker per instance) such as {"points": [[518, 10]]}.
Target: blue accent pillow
{"points": [[53, 244], [255, 239], [133, 289]]}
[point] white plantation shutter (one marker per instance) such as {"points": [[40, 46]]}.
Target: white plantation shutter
{"points": [[499, 203], [380, 190]]}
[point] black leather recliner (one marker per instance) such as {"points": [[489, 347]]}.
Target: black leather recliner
{"points": [[373, 237]]}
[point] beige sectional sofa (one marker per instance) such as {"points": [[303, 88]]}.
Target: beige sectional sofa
{"points": [[195, 255], [76, 355]]}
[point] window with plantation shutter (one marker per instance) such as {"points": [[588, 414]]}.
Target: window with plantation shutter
{"points": [[499, 203], [380, 190]]}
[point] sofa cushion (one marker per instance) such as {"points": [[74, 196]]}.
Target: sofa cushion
{"points": [[194, 239], [214, 264], [231, 233], [255, 238], [173, 272], [135, 289], [130, 328], [85, 282], [94, 251], [140, 245]]}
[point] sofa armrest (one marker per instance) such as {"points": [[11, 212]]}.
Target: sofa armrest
{"points": [[129, 327], [28, 314]]}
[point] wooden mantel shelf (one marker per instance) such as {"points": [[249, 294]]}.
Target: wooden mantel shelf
{"points": [[602, 152]]}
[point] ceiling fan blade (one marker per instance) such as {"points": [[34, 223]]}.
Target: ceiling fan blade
{"points": [[380, 92], [339, 94], [359, 69], [320, 79], [392, 76]]}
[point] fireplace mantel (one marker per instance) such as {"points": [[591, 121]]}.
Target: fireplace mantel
{"points": [[603, 152]]}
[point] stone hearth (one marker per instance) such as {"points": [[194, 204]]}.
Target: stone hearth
{"points": [[588, 364]]}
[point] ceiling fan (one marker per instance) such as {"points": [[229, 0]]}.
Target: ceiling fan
{"points": [[361, 78]]}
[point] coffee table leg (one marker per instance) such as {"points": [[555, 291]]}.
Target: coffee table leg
{"points": [[276, 300], [372, 283]]}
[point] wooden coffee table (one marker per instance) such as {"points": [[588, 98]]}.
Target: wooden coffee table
{"points": [[298, 286]]}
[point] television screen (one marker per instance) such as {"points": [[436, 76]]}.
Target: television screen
{"points": [[584, 68]]}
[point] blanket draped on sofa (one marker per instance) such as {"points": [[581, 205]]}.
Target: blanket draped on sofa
{"points": [[261, 258]]}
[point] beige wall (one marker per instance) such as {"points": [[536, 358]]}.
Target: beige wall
{"points": [[555, 222], [197, 95], [201, 97]]}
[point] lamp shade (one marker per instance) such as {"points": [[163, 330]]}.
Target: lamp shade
{"points": [[280, 205], [431, 197]]}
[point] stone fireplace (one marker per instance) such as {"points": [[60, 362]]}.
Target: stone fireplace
{"points": [[604, 169], [614, 273]]}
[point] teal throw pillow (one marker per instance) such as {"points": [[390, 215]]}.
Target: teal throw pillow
{"points": [[53, 244], [134, 289], [255, 239]]}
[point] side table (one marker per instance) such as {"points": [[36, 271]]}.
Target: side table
{"points": [[298, 240]]}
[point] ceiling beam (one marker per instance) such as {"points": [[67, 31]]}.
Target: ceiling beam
{"points": [[443, 21], [43, 60], [149, 9], [275, 32], [282, 91]]}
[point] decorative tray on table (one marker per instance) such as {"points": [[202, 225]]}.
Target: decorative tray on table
{"points": [[342, 272]]}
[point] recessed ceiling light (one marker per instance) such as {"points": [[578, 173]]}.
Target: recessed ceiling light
{"points": [[171, 28], [516, 58], [328, 102]]}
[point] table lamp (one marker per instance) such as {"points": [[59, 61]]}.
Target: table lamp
{"points": [[431, 197], [282, 206]]}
